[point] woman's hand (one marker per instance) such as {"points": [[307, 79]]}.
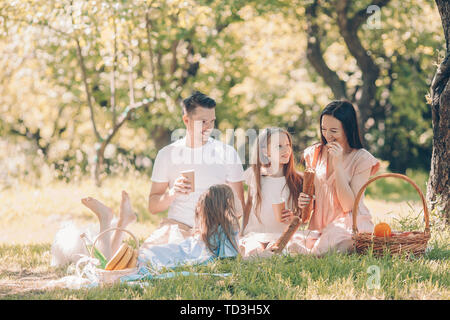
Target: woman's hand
{"points": [[286, 216], [336, 152], [181, 186], [303, 200]]}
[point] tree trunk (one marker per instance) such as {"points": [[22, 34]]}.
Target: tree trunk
{"points": [[348, 24], [99, 166], [438, 183]]}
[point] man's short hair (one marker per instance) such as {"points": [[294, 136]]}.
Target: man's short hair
{"points": [[197, 99]]}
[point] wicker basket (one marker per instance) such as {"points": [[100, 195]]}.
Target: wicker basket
{"points": [[415, 243], [111, 276]]}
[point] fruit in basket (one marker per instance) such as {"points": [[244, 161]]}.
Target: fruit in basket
{"points": [[382, 229]]}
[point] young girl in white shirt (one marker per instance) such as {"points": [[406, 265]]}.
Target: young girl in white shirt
{"points": [[271, 178]]}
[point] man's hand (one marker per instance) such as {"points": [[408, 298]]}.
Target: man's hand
{"points": [[181, 186]]}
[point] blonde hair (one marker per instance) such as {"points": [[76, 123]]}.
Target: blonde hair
{"points": [[215, 208]]}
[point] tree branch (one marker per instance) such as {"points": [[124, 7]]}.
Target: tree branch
{"points": [[348, 28], [150, 51], [130, 70], [362, 15], [314, 55], [113, 75], [86, 87], [444, 11], [173, 50], [124, 116], [84, 75], [190, 67]]}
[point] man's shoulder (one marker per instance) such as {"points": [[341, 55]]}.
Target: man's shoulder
{"points": [[175, 144], [223, 145]]}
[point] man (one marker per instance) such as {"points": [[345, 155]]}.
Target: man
{"points": [[212, 161]]}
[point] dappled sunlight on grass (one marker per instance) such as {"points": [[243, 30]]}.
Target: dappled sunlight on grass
{"points": [[31, 216]]}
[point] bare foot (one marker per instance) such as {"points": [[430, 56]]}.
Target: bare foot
{"points": [[126, 215], [104, 213]]}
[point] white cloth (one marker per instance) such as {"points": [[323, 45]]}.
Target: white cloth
{"points": [[214, 163], [272, 190]]}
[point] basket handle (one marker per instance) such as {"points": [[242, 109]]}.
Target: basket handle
{"points": [[393, 175], [108, 230]]}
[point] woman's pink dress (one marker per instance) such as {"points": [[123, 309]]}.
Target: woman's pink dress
{"points": [[330, 227]]}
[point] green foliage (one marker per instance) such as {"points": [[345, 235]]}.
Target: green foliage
{"points": [[397, 190], [248, 55]]}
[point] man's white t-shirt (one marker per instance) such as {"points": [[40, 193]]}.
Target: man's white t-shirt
{"points": [[214, 163]]}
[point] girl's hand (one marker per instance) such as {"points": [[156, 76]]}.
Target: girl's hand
{"points": [[181, 186], [336, 152], [303, 200], [286, 216]]}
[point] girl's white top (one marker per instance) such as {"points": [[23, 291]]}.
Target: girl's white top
{"points": [[273, 189]]}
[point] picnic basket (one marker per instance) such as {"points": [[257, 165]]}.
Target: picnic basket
{"points": [[414, 243], [111, 276]]}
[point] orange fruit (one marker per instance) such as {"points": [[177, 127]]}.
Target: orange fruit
{"points": [[382, 230]]}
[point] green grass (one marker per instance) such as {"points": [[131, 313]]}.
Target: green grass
{"points": [[396, 190], [334, 276], [30, 216]]}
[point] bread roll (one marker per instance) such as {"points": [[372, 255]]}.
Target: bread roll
{"points": [[116, 257], [133, 260], [123, 262]]}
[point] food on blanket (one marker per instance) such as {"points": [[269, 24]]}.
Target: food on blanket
{"points": [[123, 262], [116, 257], [278, 209], [133, 260], [287, 235], [308, 188], [382, 230], [190, 175]]}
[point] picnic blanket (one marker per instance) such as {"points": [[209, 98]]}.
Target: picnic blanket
{"points": [[153, 260], [190, 251]]}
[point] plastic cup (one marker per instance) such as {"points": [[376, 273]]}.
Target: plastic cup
{"points": [[190, 175], [278, 208]]}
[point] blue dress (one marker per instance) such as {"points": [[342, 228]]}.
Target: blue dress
{"points": [[190, 251]]}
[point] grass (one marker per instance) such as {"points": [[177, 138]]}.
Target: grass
{"points": [[396, 190], [31, 215], [334, 276]]}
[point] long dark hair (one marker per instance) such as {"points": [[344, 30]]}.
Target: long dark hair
{"points": [[215, 208], [346, 114], [294, 180]]}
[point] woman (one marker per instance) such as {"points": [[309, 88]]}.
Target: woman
{"points": [[342, 167]]}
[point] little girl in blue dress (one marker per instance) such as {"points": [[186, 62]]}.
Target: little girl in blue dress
{"points": [[215, 234]]}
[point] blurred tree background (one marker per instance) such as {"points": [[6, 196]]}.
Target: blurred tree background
{"points": [[95, 87]]}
